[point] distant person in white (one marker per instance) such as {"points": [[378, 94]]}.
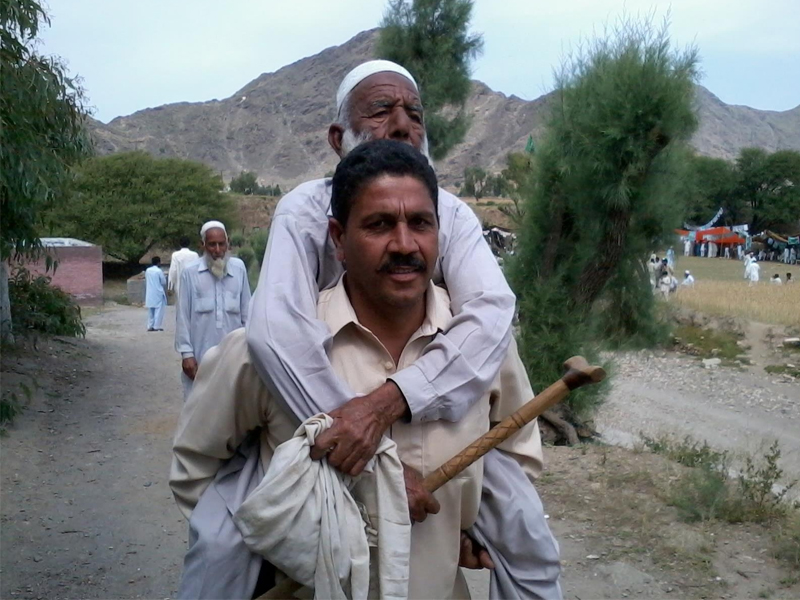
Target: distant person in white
{"points": [[671, 257], [751, 273], [789, 278], [178, 263], [214, 300], [688, 279], [687, 248], [749, 258], [155, 296], [776, 280]]}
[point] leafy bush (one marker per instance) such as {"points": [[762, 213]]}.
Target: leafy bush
{"points": [[247, 255], [36, 305], [707, 491], [237, 240], [258, 242]]}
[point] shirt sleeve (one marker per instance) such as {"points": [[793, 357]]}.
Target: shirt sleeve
{"points": [[183, 340], [173, 269], [287, 341], [244, 297], [457, 368], [510, 392], [227, 401]]}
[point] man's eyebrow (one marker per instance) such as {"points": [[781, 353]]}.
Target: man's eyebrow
{"points": [[416, 107]]}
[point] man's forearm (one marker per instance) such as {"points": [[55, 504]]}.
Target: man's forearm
{"points": [[389, 402]]}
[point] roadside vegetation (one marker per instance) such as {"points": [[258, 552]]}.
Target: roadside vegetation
{"points": [[722, 486]]}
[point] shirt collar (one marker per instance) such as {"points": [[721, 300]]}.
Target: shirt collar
{"points": [[340, 311]]}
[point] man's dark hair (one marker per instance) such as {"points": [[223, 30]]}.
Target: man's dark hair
{"points": [[184, 242], [156, 260], [371, 160]]}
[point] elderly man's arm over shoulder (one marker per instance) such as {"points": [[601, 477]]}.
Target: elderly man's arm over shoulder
{"points": [[288, 342], [458, 367]]}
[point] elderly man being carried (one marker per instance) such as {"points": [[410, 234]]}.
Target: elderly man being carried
{"points": [[382, 315], [288, 346]]}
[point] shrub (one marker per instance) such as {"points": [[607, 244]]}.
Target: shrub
{"points": [[36, 305], [247, 255], [237, 240], [258, 242]]}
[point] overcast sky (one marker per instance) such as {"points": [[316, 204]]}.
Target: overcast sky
{"points": [[134, 54]]}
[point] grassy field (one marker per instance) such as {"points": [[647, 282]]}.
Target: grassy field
{"points": [[720, 289]]}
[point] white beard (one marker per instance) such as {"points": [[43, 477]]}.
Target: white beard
{"points": [[217, 266], [351, 140]]}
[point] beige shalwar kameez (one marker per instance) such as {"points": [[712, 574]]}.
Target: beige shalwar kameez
{"points": [[229, 400]]}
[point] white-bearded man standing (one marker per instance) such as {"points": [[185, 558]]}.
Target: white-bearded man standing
{"points": [[213, 300]]}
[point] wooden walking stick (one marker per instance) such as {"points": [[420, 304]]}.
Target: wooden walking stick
{"points": [[579, 373]]}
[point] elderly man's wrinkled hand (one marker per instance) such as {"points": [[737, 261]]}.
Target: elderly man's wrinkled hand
{"points": [[357, 428], [421, 502], [189, 366], [472, 555]]}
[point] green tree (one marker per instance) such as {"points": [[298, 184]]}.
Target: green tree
{"points": [[604, 191], [474, 184], [709, 187], [41, 134], [245, 183], [132, 202], [431, 39], [767, 190]]}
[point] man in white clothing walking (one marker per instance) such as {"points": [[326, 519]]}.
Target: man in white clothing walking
{"points": [[179, 261], [155, 298]]}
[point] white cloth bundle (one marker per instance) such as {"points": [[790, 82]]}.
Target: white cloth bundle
{"points": [[302, 518]]}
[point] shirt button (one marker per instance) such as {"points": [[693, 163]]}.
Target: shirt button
{"points": [[388, 365]]}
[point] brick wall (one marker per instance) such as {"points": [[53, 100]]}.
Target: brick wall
{"points": [[79, 272]]}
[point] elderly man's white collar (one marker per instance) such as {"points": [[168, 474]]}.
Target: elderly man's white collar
{"points": [[337, 311]]}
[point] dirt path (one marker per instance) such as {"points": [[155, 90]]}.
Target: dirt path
{"points": [[87, 512], [736, 410]]}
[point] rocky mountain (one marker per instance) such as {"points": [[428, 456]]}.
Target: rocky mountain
{"points": [[276, 125]]}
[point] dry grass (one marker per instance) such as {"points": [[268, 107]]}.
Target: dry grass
{"points": [[721, 289], [764, 303]]}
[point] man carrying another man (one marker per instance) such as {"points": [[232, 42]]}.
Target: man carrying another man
{"points": [[382, 315], [213, 300], [288, 343]]}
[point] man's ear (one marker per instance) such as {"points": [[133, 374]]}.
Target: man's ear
{"points": [[337, 233], [335, 133]]}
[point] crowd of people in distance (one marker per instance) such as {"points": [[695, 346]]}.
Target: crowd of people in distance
{"points": [[662, 275], [787, 255]]}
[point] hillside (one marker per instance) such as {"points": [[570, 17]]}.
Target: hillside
{"points": [[276, 125]]}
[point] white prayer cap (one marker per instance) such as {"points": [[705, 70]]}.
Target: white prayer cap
{"points": [[686, 273], [364, 70], [212, 225]]}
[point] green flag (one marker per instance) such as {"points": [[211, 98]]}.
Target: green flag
{"points": [[529, 145]]}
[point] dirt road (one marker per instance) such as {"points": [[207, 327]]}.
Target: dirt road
{"points": [[87, 512], [735, 410]]}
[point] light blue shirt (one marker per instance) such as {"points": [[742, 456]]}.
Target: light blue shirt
{"points": [[155, 280], [210, 308]]}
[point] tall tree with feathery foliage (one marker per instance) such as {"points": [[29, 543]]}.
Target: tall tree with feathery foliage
{"points": [[605, 190], [431, 39]]}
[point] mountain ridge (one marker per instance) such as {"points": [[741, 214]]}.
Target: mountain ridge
{"points": [[276, 124]]}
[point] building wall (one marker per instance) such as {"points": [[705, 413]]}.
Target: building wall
{"points": [[79, 272]]}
